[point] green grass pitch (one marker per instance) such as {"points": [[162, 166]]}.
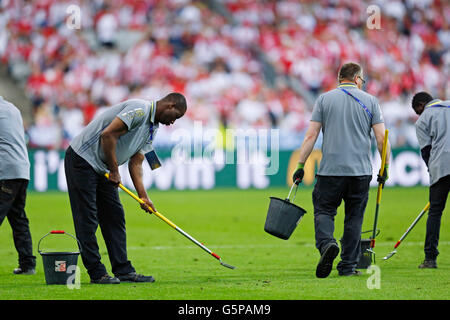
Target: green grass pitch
{"points": [[230, 222]]}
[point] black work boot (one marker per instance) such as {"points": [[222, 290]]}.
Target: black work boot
{"points": [[325, 264], [135, 277], [428, 264], [24, 271], [351, 274], [106, 279]]}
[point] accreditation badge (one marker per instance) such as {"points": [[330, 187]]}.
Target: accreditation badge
{"points": [[153, 160]]}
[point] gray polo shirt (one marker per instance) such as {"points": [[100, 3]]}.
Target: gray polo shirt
{"points": [[14, 163], [346, 127], [137, 114], [432, 128]]}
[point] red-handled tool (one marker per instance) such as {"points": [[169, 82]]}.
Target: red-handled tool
{"points": [[408, 231]]}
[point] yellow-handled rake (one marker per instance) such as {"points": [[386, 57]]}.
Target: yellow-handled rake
{"points": [[174, 226], [380, 189]]}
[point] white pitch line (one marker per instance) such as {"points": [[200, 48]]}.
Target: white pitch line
{"points": [[250, 246]]}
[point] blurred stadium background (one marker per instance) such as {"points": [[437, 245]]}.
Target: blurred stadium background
{"points": [[241, 64]]}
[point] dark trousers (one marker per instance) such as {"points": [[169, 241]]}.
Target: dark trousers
{"points": [[13, 194], [328, 194], [438, 198], [95, 201]]}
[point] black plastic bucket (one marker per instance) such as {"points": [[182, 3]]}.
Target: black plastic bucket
{"points": [[283, 216], [365, 253], [57, 265], [365, 256]]}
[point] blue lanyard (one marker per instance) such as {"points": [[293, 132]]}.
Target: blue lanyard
{"points": [[435, 105], [359, 101], [152, 130], [439, 105]]}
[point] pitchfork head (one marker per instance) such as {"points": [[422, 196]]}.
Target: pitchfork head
{"points": [[390, 255]]}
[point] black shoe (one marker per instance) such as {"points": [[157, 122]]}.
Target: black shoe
{"points": [[350, 274], [106, 279], [135, 277], [428, 264], [25, 271], [325, 264]]}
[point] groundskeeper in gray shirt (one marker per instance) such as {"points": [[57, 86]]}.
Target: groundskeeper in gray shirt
{"points": [[122, 133], [433, 129], [14, 163], [139, 117], [347, 115]]}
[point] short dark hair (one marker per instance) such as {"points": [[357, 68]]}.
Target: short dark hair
{"points": [[178, 99], [349, 71], [421, 98]]}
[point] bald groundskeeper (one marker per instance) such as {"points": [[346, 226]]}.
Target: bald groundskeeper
{"points": [[14, 178], [124, 132], [346, 116], [433, 134]]}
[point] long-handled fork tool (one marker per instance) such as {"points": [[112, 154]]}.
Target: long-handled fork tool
{"points": [[380, 188], [170, 223], [408, 231]]}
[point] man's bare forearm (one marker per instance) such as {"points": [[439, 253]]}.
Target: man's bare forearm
{"points": [[136, 173], [108, 144], [379, 131], [388, 151], [306, 149], [310, 140]]}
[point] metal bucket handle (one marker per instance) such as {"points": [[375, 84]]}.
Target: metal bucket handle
{"points": [[289, 195], [58, 232], [378, 232]]}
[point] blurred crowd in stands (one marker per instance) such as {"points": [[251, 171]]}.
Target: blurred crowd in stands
{"points": [[148, 48]]}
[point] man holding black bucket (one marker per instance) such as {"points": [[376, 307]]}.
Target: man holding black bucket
{"points": [[346, 116]]}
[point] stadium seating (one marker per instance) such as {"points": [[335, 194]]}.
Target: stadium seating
{"points": [[147, 48]]}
